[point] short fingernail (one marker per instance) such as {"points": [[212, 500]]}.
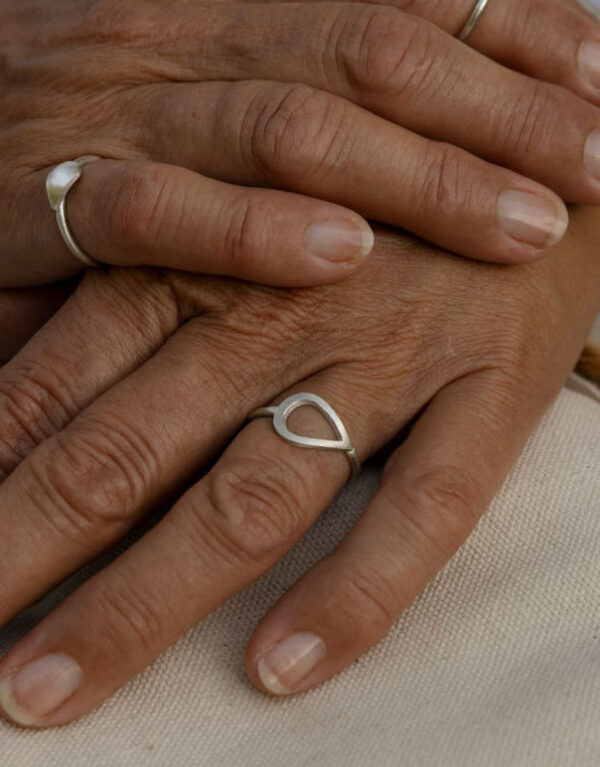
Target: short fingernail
{"points": [[39, 688], [588, 60], [532, 219], [286, 665], [339, 240], [592, 154]]}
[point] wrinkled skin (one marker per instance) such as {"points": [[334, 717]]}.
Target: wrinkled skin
{"points": [[205, 110], [144, 376]]}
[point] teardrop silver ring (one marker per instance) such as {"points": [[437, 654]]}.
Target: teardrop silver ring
{"points": [[281, 413], [58, 184], [472, 20]]}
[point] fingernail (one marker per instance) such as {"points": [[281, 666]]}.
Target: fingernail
{"points": [[39, 688], [290, 661], [592, 154], [532, 219], [339, 240], [588, 60]]}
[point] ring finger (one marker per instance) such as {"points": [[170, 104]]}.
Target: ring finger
{"points": [[154, 214], [552, 40], [224, 532]]}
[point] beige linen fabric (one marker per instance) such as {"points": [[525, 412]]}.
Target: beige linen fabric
{"points": [[497, 664]]}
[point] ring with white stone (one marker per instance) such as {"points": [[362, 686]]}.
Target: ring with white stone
{"points": [[59, 181]]}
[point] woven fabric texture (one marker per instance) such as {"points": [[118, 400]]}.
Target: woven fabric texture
{"points": [[497, 664]]}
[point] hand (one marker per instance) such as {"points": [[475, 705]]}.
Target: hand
{"points": [[195, 103], [144, 376]]}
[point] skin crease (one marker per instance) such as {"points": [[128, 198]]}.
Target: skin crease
{"points": [[249, 103], [487, 346]]}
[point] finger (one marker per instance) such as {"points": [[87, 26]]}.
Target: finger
{"points": [[136, 213], [23, 311], [84, 487], [293, 136], [433, 490], [232, 526], [550, 40], [397, 64], [110, 333]]}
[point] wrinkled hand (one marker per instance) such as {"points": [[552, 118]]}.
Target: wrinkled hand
{"points": [[144, 376], [200, 105]]}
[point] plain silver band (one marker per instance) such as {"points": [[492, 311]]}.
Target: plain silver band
{"points": [[472, 20], [281, 412], [63, 224]]}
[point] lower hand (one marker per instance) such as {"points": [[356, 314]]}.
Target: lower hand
{"points": [[143, 377]]}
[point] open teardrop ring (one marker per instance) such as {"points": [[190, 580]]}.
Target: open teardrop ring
{"points": [[281, 413]]}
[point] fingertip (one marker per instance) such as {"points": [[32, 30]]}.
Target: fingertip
{"points": [[588, 63], [344, 240], [10, 710], [533, 220], [282, 667], [38, 688]]}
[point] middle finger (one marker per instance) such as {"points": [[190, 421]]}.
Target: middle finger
{"points": [[405, 69], [226, 531], [124, 450]]}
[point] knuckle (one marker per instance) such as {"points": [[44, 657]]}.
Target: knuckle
{"points": [[288, 128], [142, 301], [519, 346], [32, 406], [533, 120], [443, 186], [443, 502], [93, 476], [545, 26], [133, 207], [246, 239], [383, 51], [261, 325], [366, 597], [108, 20], [130, 618], [257, 507]]}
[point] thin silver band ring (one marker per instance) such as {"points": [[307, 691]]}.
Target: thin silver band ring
{"points": [[281, 413], [59, 182], [472, 20]]}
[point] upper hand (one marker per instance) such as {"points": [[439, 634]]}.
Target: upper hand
{"points": [[374, 109], [143, 377]]}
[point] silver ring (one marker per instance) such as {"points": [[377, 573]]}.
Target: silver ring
{"points": [[58, 183], [281, 413], [472, 20]]}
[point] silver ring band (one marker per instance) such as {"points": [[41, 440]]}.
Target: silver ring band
{"points": [[281, 413], [59, 181], [472, 20]]}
